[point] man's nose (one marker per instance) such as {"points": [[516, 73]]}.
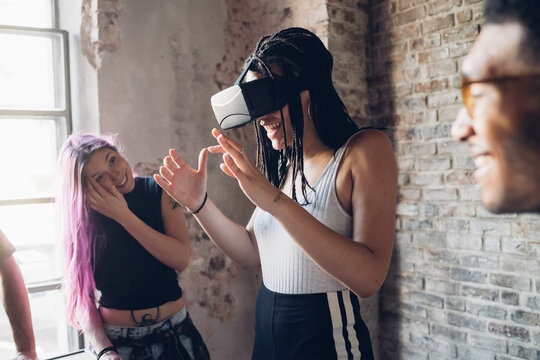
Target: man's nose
{"points": [[462, 127]]}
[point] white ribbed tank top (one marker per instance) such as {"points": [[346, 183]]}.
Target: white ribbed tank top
{"points": [[285, 267]]}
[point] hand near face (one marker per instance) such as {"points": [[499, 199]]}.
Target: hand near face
{"points": [[237, 165], [106, 200], [183, 183]]}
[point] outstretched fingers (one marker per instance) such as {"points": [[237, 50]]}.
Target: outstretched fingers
{"points": [[165, 173], [230, 147], [177, 159], [231, 168], [165, 184], [203, 161], [218, 134], [226, 170], [215, 149], [170, 164]]}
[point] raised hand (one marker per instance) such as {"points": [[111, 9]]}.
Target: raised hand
{"points": [[106, 200], [183, 183], [237, 165]]}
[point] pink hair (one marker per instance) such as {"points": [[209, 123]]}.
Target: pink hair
{"points": [[79, 235]]}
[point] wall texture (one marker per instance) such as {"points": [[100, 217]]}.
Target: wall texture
{"points": [[155, 79], [464, 284], [157, 65]]}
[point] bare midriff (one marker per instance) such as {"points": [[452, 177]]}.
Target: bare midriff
{"points": [[135, 318]]}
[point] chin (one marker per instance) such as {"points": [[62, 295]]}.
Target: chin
{"points": [[493, 208], [278, 146], [505, 204]]}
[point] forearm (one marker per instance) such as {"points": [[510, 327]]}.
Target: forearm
{"points": [[17, 307], [95, 331], [232, 238], [350, 262], [166, 249]]}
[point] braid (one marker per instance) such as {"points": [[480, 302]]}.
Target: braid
{"points": [[300, 54]]}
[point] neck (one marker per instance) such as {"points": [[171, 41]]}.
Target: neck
{"points": [[312, 143], [315, 153]]}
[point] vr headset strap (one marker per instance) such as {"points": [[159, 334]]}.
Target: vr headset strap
{"points": [[244, 72]]}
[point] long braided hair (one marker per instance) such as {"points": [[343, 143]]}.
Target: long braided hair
{"points": [[301, 56]]}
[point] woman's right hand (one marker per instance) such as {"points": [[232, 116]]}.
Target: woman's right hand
{"points": [[183, 183]]}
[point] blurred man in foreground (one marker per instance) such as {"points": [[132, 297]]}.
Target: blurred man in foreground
{"points": [[501, 115]]}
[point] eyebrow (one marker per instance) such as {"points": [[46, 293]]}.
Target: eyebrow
{"points": [[106, 159]]}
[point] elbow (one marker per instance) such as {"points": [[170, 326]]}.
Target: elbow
{"points": [[365, 291], [181, 267], [184, 260]]}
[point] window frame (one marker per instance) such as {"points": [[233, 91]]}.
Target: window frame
{"points": [[64, 127]]}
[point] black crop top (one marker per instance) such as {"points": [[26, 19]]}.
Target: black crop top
{"points": [[128, 276]]}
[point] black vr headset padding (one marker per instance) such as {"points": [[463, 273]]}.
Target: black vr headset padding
{"points": [[263, 96], [243, 102]]}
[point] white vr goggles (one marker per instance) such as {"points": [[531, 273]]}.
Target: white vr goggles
{"points": [[243, 102]]}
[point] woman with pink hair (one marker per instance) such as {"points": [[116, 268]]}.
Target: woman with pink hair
{"points": [[125, 241]]}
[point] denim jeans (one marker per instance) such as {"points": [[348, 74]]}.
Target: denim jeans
{"points": [[121, 335]]}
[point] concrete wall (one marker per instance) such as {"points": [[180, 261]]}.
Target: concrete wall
{"points": [[158, 64], [464, 284], [155, 79]]}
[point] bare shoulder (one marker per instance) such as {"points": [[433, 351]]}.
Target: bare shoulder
{"points": [[368, 169], [368, 148]]}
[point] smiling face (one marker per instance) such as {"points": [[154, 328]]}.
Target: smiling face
{"points": [[272, 123], [107, 166], [498, 129]]}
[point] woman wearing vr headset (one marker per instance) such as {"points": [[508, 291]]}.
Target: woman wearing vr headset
{"points": [[325, 194], [119, 232]]}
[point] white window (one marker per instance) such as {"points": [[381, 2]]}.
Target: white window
{"points": [[34, 121]]}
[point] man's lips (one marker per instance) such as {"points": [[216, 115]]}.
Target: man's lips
{"points": [[483, 162]]}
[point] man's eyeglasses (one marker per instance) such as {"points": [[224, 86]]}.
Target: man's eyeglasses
{"points": [[468, 100]]}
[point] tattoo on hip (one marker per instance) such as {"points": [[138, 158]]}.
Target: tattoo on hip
{"points": [[146, 319]]}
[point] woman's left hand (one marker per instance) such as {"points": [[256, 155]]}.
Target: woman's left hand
{"points": [[237, 165], [106, 200]]}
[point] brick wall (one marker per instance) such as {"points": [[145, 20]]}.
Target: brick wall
{"points": [[347, 39], [463, 284]]}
